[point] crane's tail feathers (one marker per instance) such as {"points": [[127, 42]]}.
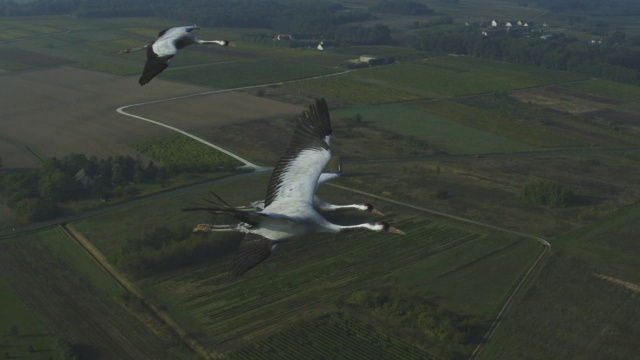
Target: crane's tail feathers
{"points": [[216, 206]]}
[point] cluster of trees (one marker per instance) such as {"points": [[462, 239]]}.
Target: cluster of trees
{"points": [[617, 59], [314, 19], [547, 193], [615, 7], [411, 307], [361, 35], [164, 249], [36, 193], [401, 7]]}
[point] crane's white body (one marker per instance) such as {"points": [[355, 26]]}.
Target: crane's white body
{"points": [[320, 204], [166, 46], [289, 211]]}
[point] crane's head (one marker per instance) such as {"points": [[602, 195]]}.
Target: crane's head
{"points": [[383, 226], [368, 207]]}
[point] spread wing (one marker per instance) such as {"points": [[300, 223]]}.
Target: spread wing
{"points": [[253, 250], [294, 179], [155, 65]]}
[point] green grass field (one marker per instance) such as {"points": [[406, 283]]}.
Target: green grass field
{"points": [[247, 73], [288, 307], [179, 151], [447, 135], [570, 302], [73, 298], [459, 76], [30, 332]]}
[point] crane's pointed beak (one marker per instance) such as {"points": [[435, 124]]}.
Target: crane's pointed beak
{"points": [[396, 231], [231, 44], [376, 212]]}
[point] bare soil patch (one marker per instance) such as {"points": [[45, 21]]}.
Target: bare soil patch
{"points": [[566, 100], [66, 110], [17, 156], [31, 58], [214, 110]]}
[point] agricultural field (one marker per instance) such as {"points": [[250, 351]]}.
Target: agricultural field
{"points": [[179, 151], [66, 118], [440, 132], [72, 298], [454, 135], [432, 78], [585, 300], [30, 336], [301, 283]]}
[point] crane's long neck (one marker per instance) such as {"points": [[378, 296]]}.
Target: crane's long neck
{"points": [[325, 206], [218, 42]]}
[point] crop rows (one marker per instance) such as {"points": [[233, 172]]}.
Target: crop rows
{"points": [[226, 310], [184, 152], [330, 337]]}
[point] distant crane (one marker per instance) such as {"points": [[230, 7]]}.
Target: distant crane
{"points": [[288, 210], [166, 46]]}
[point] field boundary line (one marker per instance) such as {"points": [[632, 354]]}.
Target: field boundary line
{"points": [[520, 287], [123, 282]]}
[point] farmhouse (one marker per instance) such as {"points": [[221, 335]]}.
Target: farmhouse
{"points": [[81, 178]]}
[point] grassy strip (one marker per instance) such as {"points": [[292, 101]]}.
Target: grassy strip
{"points": [[30, 334], [132, 289]]}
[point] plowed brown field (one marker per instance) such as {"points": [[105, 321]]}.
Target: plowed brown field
{"points": [[66, 110]]}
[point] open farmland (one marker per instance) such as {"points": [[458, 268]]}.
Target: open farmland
{"points": [[457, 76], [302, 280], [452, 134], [585, 302], [61, 111], [15, 313], [74, 113], [74, 299]]}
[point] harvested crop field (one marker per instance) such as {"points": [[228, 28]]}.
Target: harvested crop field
{"points": [[66, 110], [214, 109], [563, 99], [30, 58], [63, 294]]}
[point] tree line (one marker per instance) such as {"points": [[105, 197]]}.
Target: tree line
{"points": [[617, 58], [37, 194], [315, 19]]}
